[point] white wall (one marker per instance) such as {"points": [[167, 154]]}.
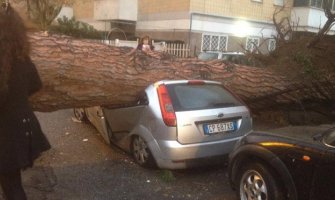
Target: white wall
{"points": [[309, 19], [235, 27], [213, 24], [115, 10], [65, 11], [128, 10]]}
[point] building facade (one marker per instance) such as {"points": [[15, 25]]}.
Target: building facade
{"points": [[206, 25], [111, 16], [309, 16], [212, 25]]}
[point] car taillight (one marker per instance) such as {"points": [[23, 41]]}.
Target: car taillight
{"points": [[168, 114]]}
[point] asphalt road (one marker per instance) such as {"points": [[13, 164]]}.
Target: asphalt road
{"points": [[81, 166]]}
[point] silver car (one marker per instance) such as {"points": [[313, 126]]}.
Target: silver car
{"points": [[174, 124]]}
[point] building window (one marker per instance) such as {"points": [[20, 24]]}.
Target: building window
{"points": [[272, 45], [299, 3], [223, 43], [257, 1], [313, 3], [252, 44], [278, 2], [214, 42], [316, 3]]}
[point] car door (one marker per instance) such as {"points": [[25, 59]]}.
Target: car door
{"points": [[96, 117], [123, 120], [324, 179]]}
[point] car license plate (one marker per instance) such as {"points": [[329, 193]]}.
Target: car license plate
{"points": [[218, 128]]}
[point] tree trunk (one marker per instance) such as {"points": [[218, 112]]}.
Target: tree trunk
{"points": [[81, 73]]}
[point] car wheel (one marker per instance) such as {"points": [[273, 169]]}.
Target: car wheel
{"points": [[79, 114], [141, 153], [257, 181]]}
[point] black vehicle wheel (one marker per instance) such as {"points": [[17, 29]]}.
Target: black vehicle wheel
{"points": [[141, 153], [258, 182], [80, 115]]}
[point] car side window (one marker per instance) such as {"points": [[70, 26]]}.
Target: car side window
{"points": [[143, 99]]}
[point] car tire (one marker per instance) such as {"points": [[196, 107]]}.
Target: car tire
{"points": [[80, 115], [257, 181], [141, 153]]}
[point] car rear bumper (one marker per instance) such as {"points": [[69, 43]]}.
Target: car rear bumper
{"points": [[173, 155]]}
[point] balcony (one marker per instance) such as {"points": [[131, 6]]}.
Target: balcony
{"points": [[115, 10], [308, 15]]}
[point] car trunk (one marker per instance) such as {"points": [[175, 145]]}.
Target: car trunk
{"points": [[211, 125], [207, 112]]}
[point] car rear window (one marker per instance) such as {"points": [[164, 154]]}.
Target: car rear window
{"points": [[187, 97]]}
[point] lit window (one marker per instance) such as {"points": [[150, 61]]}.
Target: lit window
{"points": [[272, 45], [252, 44], [214, 42]]}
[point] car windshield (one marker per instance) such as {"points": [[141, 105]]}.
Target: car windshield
{"points": [[208, 56], [187, 97], [329, 139]]}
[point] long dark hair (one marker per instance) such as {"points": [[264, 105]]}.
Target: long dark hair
{"points": [[14, 45]]}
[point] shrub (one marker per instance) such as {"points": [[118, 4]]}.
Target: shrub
{"points": [[74, 28]]}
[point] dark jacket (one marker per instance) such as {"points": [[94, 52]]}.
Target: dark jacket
{"points": [[21, 137]]}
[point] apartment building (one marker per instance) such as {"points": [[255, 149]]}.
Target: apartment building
{"points": [[114, 16], [309, 16], [212, 25], [207, 25]]}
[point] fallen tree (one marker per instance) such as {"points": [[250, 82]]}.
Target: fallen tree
{"points": [[82, 73]]}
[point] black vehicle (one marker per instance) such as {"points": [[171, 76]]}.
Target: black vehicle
{"points": [[298, 163]]}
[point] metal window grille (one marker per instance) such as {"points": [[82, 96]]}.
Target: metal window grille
{"points": [[223, 43], [214, 42], [272, 45], [252, 43], [206, 42]]}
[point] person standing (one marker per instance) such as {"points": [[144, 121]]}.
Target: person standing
{"points": [[21, 137], [145, 44]]}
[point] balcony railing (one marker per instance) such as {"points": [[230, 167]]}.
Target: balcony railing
{"points": [[314, 3]]}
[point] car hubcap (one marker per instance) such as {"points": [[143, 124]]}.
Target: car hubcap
{"points": [[252, 186], [140, 150]]}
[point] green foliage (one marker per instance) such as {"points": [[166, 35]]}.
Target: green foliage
{"points": [[74, 28], [305, 60], [167, 176], [43, 12]]}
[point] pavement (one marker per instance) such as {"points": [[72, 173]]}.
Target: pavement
{"points": [[81, 166]]}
